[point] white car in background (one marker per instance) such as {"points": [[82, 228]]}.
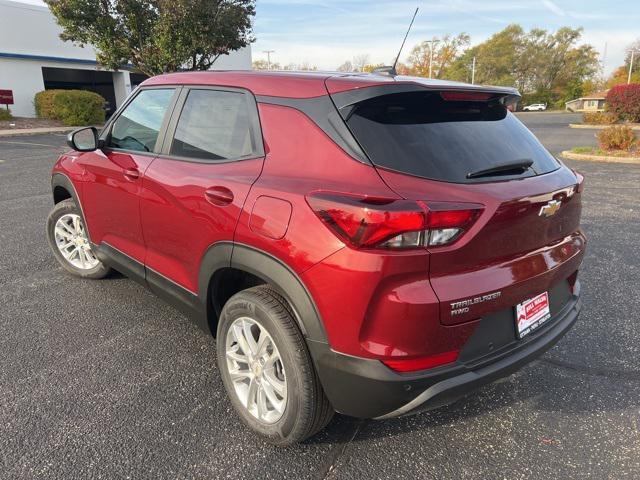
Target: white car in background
{"points": [[535, 107]]}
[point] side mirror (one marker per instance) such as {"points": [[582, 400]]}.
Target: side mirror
{"points": [[84, 139]]}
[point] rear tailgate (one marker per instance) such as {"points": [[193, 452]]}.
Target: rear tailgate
{"points": [[462, 146], [512, 252]]}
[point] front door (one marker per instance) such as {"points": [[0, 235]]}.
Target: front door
{"points": [[111, 196]]}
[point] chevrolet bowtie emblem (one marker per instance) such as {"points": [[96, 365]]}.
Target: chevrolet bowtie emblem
{"points": [[550, 208]]}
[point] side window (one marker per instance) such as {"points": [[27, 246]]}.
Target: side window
{"points": [[214, 125], [138, 125]]}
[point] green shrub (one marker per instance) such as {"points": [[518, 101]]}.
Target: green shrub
{"points": [[72, 107], [44, 103], [619, 137], [582, 149], [600, 118], [5, 113]]}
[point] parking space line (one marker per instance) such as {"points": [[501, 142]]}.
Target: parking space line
{"points": [[2, 142]]}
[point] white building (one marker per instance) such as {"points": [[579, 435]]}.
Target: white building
{"points": [[33, 58]]}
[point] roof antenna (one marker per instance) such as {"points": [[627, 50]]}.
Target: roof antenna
{"points": [[392, 70]]}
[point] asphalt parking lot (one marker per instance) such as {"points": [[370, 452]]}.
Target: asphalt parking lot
{"points": [[100, 379]]}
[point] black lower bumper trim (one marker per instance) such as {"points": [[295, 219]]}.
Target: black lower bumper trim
{"points": [[367, 389]]}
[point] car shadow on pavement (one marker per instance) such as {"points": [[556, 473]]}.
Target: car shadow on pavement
{"points": [[541, 387]]}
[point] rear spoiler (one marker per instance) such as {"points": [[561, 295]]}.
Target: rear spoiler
{"points": [[505, 95]]}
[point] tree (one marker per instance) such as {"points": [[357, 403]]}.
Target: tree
{"points": [[264, 65], [403, 69], [621, 74], [445, 52], [157, 36], [635, 47], [359, 61], [544, 67], [306, 66], [346, 67], [559, 67], [370, 67], [496, 59]]}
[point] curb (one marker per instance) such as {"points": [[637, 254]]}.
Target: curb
{"points": [[14, 132], [599, 158], [598, 127]]}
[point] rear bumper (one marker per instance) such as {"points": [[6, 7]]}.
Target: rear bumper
{"points": [[367, 389]]}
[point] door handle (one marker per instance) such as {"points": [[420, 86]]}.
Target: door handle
{"points": [[219, 196], [131, 173]]}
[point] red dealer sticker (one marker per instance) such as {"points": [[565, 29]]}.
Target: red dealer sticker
{"points": [[532, 313]]}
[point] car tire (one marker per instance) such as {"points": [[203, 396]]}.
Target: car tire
{"points": [[260, 320], [70, 244]]}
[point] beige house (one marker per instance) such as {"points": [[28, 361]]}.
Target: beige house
{"points": [[591, 103]]}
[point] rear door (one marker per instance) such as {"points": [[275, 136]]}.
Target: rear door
{"points": [[196, 188], [465, 147]]}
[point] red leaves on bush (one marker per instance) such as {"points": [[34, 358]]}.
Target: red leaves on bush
{"points": [[624, 101]]}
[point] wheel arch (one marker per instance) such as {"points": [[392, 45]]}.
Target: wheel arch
{"points": [[62, 188], [258, 267]]}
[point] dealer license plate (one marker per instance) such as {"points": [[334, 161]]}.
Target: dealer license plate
{"points": [[532, 313]]}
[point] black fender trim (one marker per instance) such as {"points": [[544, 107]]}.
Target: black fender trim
{"points": [[217, 257], [286, 283], [61, 180], [179, 297], [119, 260]]}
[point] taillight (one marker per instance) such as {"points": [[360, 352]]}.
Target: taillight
{"points": [[372, 222], [422, 363]]}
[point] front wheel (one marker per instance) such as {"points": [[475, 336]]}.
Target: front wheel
{"points": [[266, 368], [68, 240]]}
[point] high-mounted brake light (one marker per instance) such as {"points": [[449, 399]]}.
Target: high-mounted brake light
{"points": [[369, 222], [467, 96]]}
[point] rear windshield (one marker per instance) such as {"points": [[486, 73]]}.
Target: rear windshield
{"points": [[421, 134]]}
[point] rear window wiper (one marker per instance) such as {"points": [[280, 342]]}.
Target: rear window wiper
{"points": [[513, 168]]}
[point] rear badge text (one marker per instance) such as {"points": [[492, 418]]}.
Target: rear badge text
{"points": [[463, 306]]}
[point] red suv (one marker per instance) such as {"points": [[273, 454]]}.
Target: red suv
{"points": [[367, 244]]}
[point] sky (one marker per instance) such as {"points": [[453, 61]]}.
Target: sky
{"points": [[326, 33]]}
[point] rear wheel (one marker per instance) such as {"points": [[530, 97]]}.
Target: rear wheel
{"points": [[266, 368], [70, 244]]}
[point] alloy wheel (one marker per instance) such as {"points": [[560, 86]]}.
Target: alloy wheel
{"points": [[256, 370], [72, 242]]}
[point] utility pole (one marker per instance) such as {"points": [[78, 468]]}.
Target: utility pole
{"points": [[268, 52], [603, 63], [473, 71], [431, 42], [630, 67]]}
